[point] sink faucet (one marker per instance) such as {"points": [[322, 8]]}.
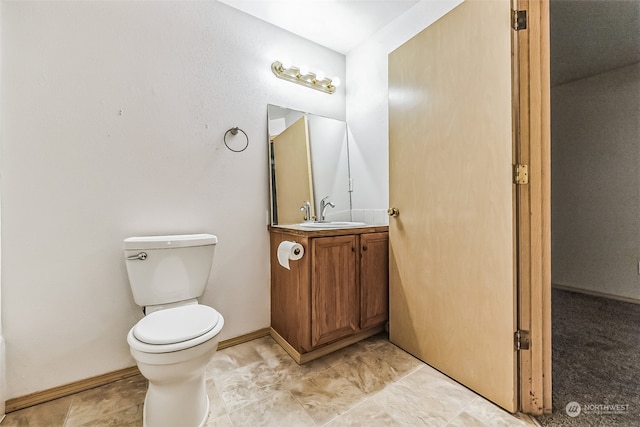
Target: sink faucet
{"points": [[323, 207], [306, 207]]}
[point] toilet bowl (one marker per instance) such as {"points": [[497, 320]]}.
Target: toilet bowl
{"points": [[177, 394], [175, 340]]}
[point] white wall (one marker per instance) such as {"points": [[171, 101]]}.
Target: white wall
{"points": [[113, 115], [367, 107], [595, 123]]}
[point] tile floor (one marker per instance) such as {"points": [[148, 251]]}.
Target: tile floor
{"points": [[371, 383]]}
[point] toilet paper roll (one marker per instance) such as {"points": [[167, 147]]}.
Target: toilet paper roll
{"points": [[289, 251]]}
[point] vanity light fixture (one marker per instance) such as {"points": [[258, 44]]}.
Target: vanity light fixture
{"points": [[305, 78]]}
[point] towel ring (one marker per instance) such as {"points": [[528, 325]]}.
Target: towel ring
{"points": [[234, 131]]}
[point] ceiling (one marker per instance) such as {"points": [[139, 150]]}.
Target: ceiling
{"points": [[588, 37], [340, 25]]}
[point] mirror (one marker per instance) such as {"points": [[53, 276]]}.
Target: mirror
{"points": [[309, 160]]}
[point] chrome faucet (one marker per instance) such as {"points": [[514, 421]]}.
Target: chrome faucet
{"points": [[306, 207], [323, 207]]}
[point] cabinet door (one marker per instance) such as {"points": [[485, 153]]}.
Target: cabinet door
{"points": [[334, 294], [374, 279]]}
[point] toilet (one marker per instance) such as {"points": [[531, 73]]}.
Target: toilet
{"points": [[176, 338]]}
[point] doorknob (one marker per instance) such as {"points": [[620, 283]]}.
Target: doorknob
{"points": [[393, 212]]}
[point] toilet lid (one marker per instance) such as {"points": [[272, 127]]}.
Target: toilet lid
{"points": [[174, 325]]}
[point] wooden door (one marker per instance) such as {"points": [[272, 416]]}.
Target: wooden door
{"points": [[292, 164], [334, 295], [374, 279], [452, 274]]}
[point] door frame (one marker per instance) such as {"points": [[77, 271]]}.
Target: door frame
{"points": [[532, 139]]}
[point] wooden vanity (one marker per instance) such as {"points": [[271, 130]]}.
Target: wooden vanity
{"points": [[335, 295]]}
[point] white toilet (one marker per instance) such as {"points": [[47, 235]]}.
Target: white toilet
{"points": [[173, 343]]}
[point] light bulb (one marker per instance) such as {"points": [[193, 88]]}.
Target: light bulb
{"points": [[335, 81]]}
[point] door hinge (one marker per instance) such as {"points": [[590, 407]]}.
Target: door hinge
{"points": [[519, 19], [521, 174], [521, 340]]}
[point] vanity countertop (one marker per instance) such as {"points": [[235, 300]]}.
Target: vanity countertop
{"points": [[318, 232]]}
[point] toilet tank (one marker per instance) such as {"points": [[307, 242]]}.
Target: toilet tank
{"points": [[166, 269]]}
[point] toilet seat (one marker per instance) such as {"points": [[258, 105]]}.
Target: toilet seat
{"points": [[175, 329], [176, 324]]}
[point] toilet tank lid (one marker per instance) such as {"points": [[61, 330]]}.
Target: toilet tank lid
{"points": [[170, 241]]}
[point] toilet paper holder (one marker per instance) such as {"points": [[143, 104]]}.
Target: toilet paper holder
{"points": [[289, 251]]}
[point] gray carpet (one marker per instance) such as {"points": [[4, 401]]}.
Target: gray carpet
{"points": [[596, 361]]}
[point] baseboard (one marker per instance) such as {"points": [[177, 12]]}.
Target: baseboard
{"points": [[36, 398], [530, 418], [244, 338], [67, 389], [595, 293], [295, 355], [303, 358]]}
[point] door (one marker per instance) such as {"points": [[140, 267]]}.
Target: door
{"points": [[292, 164], [452, 257], [334, 293], [374, 279]]}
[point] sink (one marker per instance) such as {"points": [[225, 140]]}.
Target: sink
{"points": [[332, 224]]}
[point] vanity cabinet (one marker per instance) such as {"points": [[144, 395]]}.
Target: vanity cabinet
{"points": [[334, 290], [374, 279], [335, 295]]}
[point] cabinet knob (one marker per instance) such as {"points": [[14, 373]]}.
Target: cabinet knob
{"points": [[364, 248], [393, 212]]}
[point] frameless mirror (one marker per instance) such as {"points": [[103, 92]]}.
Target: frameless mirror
{"points": [[309, 162]]}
